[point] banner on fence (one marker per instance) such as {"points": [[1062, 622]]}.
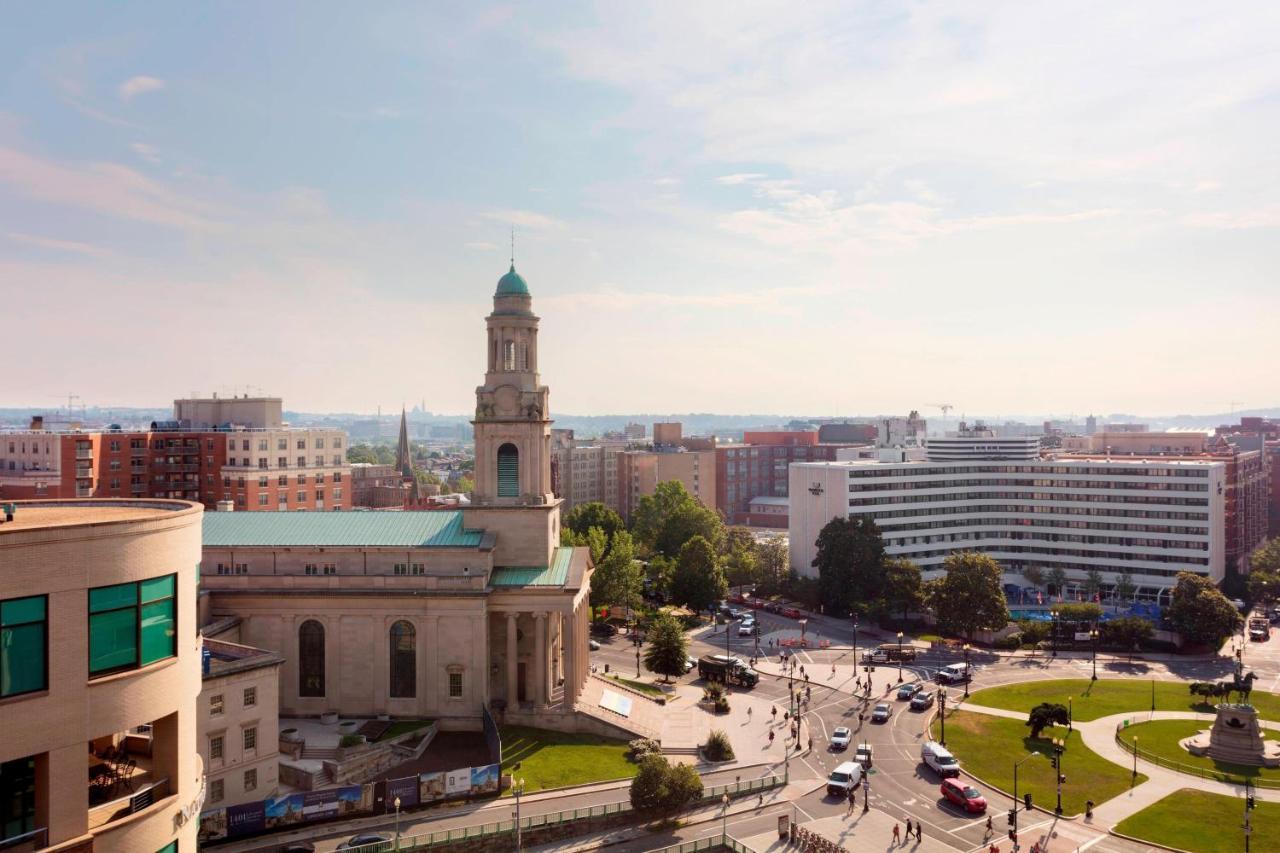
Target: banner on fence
{"points": [[405, 790], [431, 786], [458, 781], [485, 780]]}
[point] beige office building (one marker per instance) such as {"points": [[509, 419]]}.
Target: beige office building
{"points": [[640, 472], [99, 676], [239, 720]]}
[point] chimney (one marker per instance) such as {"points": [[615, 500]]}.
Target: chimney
{"points": [[226, 506], [37, 423]]}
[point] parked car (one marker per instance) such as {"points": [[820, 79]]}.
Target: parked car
{"points": [[908, 691], [880, 714], [964, 795], [367, 839], [863, 754], [593, 645], [840, 738], [772, 607], [791, 612], [922, 701], [603, 629], [844, 779], [298, 847]]}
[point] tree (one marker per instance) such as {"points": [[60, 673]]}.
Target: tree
{"points": [[850, 563], [1047, 714], [1200, 612], [969, 597], [617, 579], [668, 649], [585, 516], [1126, 632], [1267, 557], [464, 485], [698, 580], [1263, 586], [659, 573], [1057, 579], [688, 522], [773, 564], [1079, 611], [1034, 575], [662, 790], [740, 565], [668, 518], [903, 587], [1093, 584], [1125, 587]]}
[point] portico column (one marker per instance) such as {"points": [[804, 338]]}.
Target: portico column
{"points": [[540, 665], [432, 684], [512, 695], [569, 673]]}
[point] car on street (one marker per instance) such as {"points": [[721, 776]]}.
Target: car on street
{"points": [[908, 691], [689, 663], [791, 612], [922, 701], [844, 779], [747, 629], [603, 629], [880, 714], [593, 645], [1259, 635], [298, 847], [863, 754], [840, 738], [964, 795], [372, 840]]}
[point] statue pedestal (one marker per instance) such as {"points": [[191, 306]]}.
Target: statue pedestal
{"points": [[1236, 737]]}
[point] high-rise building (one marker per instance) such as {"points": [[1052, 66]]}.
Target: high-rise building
{"points": [[757, 469], [100, 675], [640, 472], [585, 470]]}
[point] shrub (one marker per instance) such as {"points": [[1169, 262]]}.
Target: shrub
{"points": [[713, 692], [661, 790], [721, 705], [1033, 632], [1010, 643], [351, 740], [640, 747], [717, 747]]}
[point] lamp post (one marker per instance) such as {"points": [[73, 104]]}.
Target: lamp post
{"points": [[1014, 813], [1135, 756], [866, 794], [397, 823], [855, 644], [942, 714], [638, 639], [899, 657], [724, 815], [1053, 631], [1093, 635], [517, 788], [967, 675], [1057, 767]]}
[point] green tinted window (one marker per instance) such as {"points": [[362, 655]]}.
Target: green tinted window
{"points": [[21, 610], [112, 597], [157, 588], [159, 638], [22, 659], [171, 847], [113, 640]]}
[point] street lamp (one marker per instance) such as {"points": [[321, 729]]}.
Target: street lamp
{"points": [[1057, 769], [517, 788], [1053, 631], [397, 823], [1135, 757], [968, 676], [1093, 635], [638, 638], [1014, 813], [942, 714], [855, 644], [899, 657]]}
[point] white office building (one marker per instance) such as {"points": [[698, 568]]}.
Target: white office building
{"points": [[1147, 517]]}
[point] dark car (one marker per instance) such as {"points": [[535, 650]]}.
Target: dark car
{"points": [[603, 629], [963, 795], [298, 847], [367, 842], [909, 690], [922, 701]]}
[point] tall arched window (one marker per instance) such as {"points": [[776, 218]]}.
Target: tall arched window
{"points": [[311, 659], [508, 355], [404, 661], [508, 471]]}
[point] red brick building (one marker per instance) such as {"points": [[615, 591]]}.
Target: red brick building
{"points": [[758, 468]]}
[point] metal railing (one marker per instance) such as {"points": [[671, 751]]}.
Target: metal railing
{"points": [[1191, 769], [714, 842], [427, 840], [36, 839]]}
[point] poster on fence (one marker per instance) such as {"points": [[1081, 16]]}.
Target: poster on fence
{"points": [[405, 790], [458, 781], [213, 825], [245, 819], [430, 786], [484, 780]]}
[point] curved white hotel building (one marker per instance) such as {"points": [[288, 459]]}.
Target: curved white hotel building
{"points": [[1145, 516]]}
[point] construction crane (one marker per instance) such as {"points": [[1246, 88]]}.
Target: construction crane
{"points": [[946, 408]]}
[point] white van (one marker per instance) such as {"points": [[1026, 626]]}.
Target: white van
{"points": [[844, 779], [939, 759], [956, 673]]}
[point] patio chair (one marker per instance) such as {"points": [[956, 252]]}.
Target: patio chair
{"points": [[124, 773]]}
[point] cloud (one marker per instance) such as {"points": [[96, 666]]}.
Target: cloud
{"points": [[739, 178], [666, 182], [1238, 220], [147, 152], [138, 86], [56, 245], [524, 219]]}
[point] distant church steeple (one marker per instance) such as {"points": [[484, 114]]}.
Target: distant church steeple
{"points": [[404, 458]]}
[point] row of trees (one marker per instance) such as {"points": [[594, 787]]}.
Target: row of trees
{"points": [[1056, 580]]}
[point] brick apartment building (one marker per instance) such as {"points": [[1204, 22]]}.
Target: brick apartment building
{"points": [[757, 469], [1263, 434], [259, 465]]}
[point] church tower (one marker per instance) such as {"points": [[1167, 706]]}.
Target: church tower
{"points": [[513, 496]]}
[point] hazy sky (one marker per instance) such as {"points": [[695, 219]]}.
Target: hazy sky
{"points": [[806, 207]]}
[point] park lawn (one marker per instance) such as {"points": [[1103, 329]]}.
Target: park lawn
{"points": [[1094, 699], [1204, 823], [554, 759], [987, 747], [642, 686], [1160, 738]]}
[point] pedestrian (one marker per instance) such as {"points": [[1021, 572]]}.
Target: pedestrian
{"points": [[775, 712], [748, 712], [811, 743], [833, 670], [990, 829], [897, 834], [918, 825], [771, 737], [908, 827]]}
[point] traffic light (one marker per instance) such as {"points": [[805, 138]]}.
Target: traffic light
{"points": [[1013, 817], [1053, 759], [1026, 801], [1249, 802], [1013, 836], [1062, 778]]}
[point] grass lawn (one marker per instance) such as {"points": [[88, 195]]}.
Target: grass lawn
{"points": [[1094, 699], [403, 727], [1204, 823], [988, 746], [643, 687], [1160, 737], [554, 759]]}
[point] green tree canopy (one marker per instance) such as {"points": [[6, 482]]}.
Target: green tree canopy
{"points": [[670, 517], [585, 516], [1079, 611], [773, 564], [1045, 715], [1263, 586], [850, 563], [1126, 631], [667, 648], [373, 454], [740, 564], [1200, 612], [1267, 557], [1034, 575], [1057, 578], [698, 580], [968, 597], [663, 790], [903, 586], [617, 579], [1125, 587], [1092, 584]]}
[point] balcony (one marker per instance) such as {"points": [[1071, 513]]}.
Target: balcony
{"points": [[84, 452], [36, 839], [180, 468], [127, 771]]}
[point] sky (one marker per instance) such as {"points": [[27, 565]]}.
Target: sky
{"points": [[818, 208]]}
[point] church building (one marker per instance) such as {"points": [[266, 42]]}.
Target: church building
{"points": [[429, 614]]}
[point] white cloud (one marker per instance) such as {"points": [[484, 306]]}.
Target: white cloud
{"points": [[54, 244], [524, 219], [147, 152], [739, 178], [139, 85]]}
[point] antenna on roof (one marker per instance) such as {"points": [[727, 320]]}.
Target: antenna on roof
{"points": [[513, 245]]}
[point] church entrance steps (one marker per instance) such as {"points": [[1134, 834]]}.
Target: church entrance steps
{"points": [[319, 753], [642, 718]]}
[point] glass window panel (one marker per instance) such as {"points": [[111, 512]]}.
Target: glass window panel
{"points": [[113, 640], [157, 588], [112, 597], [22, 659], [21, 610], [158, 634]]}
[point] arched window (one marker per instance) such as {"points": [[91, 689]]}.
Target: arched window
{"points": [[311, 659], [508, 471], [524, 356], [508, 355], [404, 661]]}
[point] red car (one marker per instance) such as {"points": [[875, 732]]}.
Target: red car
{"points": [[964, 795], [791, 613]]}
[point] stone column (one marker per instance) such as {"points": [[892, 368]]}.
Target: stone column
{"points": [[570, 640], [433, 685], [512, 672], [540, 663]]}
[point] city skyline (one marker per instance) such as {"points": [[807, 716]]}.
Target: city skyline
{"points": [[821, 210]]}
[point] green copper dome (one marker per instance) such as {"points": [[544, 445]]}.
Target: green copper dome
{"points": [[512, 284]]}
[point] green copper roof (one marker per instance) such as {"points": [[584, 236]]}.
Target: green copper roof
{"points": [[436, 529], [553, 575], [512, 284]]}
